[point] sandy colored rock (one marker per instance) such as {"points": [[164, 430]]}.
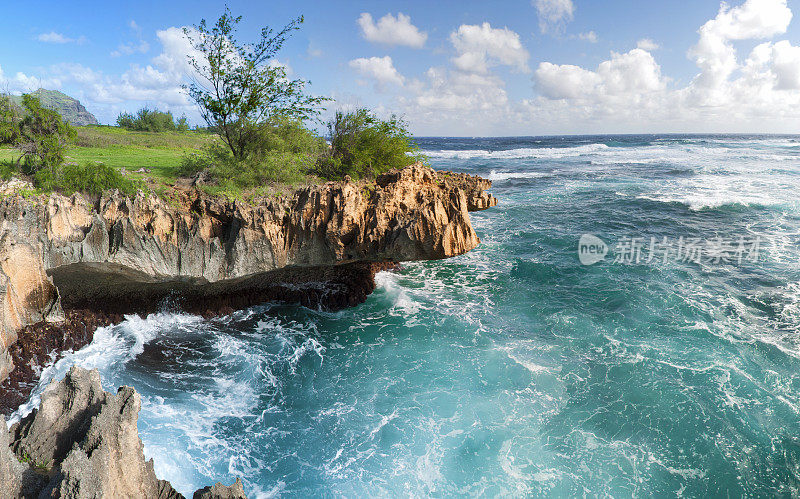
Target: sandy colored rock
{"points": [[92, 246], [219, 491], [84, 443]]}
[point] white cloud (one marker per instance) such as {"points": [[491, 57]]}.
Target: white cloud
{"points": [[131, 48], [553, 14], [22, 83], [176, 51], [391, 30], [313, 52], [629, 93], [714, 53], [625, 75], [458, 91], [380, 69], [785, 59], [564, 81], [53, 37], [481, 46], [647, 44], [590, 37]]}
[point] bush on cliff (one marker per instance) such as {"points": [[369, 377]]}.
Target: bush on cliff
{"points": [[364, 146], [38, 133], [282, 151], [89, 178], [152, 120]]}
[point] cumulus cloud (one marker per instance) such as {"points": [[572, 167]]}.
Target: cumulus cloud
{"points": [[625, 75], [379, 69], [53, 37], [553, 14], [760, 90], [177, 50], [480, 46], [647, 44], [714, 53], [391, 30], [21, 82], [589, 36], [459, 91]]}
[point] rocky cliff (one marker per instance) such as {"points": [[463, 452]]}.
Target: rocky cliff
{"points": [[83, 442], [68, 264]]}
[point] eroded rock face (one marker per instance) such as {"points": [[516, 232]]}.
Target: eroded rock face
{"points": [[121, 255], [83, 443]]}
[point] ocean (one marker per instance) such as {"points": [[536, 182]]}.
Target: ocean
{"points": [[629, 326]]}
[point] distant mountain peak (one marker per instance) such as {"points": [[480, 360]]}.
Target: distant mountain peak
{"points": [[68, 107]]}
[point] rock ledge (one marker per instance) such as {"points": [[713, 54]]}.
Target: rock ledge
{"points": [[83, 442]]}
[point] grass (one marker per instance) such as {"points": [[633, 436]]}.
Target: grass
{"points": [[159, 152]]}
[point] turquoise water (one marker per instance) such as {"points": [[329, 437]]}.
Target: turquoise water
{"points": [[514, 369]]}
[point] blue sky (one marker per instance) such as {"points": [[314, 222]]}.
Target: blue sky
{"points": [[451, 68]]}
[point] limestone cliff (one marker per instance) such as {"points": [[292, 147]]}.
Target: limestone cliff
{"points": [[83, 442], [317, 245]]}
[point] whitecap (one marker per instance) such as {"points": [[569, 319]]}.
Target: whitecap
{"points": [[496, 176], [520, 153]]}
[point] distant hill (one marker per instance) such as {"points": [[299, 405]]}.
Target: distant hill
{"points": [[70, 109]]}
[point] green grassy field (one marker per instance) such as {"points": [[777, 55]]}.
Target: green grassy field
{"points": [[158, 152]]}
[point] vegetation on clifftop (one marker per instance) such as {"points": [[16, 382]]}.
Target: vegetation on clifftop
{"points": [[260, 131], [152, 120]]}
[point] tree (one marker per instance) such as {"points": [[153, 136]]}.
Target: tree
{"points": [[9, 121], [240, 86], [42, 136]]}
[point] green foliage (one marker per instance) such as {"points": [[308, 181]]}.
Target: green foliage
{"points": [[182, 125], [151, 120], [363, 146], [9, 121], [43, 136], [281, 152], [240, 88], [89, 178], [7, 170]]}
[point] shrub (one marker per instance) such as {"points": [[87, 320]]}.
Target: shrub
{"points": [[364, 146], [89, 178], [42, 136], [283, 151], [9, 121], [151, 120], [182, 125]]}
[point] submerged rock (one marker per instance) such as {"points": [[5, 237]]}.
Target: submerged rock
{"points": [[83, 442]]}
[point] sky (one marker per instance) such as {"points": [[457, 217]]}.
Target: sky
{"points": [[449, 68]]}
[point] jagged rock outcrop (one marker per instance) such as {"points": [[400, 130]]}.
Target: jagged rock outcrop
{"points": [[315, 245], [83, 442], [219, 491]]}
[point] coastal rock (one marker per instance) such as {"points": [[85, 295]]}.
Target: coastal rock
{"points": [[318, 245], [85, 444], [219, 491]]}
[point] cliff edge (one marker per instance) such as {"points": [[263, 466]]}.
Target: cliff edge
{"points": [[69, 264]]}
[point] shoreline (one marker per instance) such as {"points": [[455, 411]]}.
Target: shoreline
{"points": [[44, 343]]}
